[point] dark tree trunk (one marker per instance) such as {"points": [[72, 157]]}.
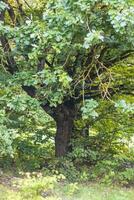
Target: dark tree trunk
{"points": [[64, 118]]}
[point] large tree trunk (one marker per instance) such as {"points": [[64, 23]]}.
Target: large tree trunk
{"points": [[65, 115]]}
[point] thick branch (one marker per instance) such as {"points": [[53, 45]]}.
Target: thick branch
{"points": [[12, 66], [102, 53], [41, 64], [21, 11], [10, 11], [122, 56]]}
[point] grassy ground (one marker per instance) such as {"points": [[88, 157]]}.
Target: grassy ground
{"points": [[68, 192]]}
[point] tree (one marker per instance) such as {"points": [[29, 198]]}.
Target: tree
{"points": [[62, 55]]}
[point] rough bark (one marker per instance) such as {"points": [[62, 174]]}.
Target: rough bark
{"points": [[64, 118]]}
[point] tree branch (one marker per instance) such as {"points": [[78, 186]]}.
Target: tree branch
{"points": [[11, 11], [122, 56], [22, 13], [12, 66]]}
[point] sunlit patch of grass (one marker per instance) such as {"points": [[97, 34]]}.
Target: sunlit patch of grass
{"points": [[67, 192], [8, 194], [98, 192]]}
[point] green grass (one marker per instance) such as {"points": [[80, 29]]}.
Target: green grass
{"points": [[97, 192], [71, 192]]}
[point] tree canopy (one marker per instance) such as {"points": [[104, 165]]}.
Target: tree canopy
{"points": [[66, 55]]}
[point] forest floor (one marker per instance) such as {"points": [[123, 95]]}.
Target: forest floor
{"points": [[66, 191]]}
